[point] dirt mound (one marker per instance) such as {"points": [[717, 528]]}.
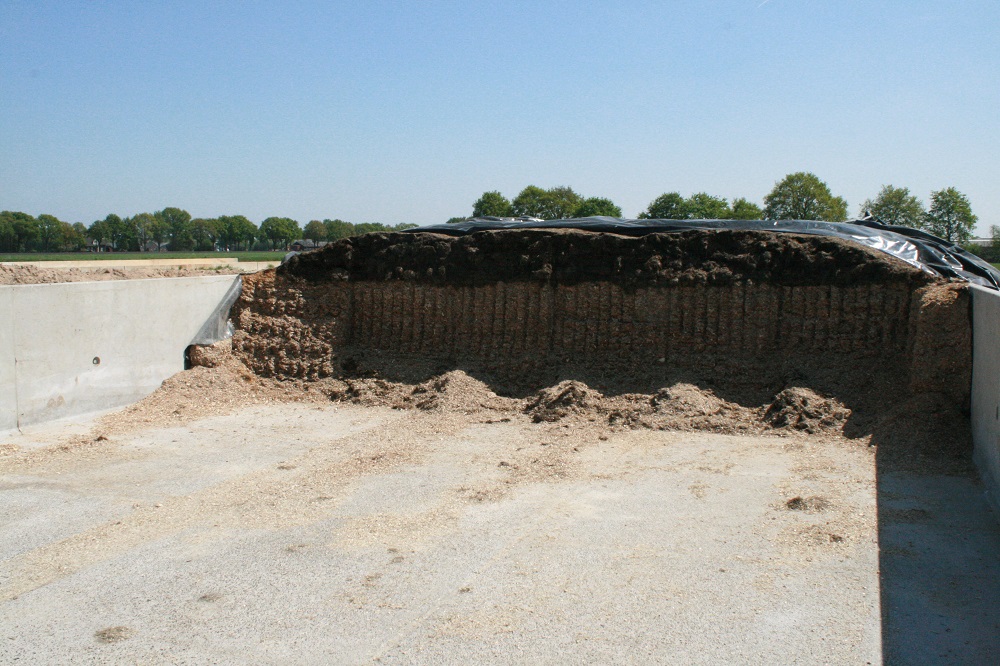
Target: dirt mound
{"points": [[683, 407], [220, 385], [688, 400], [210, 356], [452, 391], [804, 409], [561, 400], [371, 392], [688, 407], [458, 392]]}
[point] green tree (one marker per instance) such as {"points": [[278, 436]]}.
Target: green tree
{"points": [[456, 220], [80, 230], [280, 231], [178, 221], [704, 206], [803, 196], [745, 210], [530, 202], [991, 252], [896, 206], [378, 227], [557, 203], [315, 231], [159, 232], [26, 230], [492, 204], [18, 231], [595, 206], [74, 236], [338, 229], [50, 233], [667, 206], [236, 231], [99, 232], [6, 232], [146, 229], [562, 203], [368, 228], [121, 233], [204, 233], [950, 216]]}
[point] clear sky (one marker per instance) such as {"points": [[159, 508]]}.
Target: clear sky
{"points": [[407, 111]]}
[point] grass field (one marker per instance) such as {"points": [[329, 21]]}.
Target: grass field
{"points": [[119, 256]]}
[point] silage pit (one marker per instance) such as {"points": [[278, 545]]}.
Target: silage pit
{"points": [[721, 331]]}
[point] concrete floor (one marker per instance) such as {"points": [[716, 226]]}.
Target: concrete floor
{"points": [[940, 570], [304, 534]]}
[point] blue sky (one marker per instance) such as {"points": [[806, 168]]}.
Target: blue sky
{"points": [[408, 111]]}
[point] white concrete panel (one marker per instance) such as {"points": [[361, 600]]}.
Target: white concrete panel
{"points": [[8, 391], [986, 387], [87, 346]]}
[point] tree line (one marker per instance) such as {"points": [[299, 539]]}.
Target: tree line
{"points": [[798, 196], [169, 229]]}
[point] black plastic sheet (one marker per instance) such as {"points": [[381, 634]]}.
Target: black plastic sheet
{"points": [[918, 248]]}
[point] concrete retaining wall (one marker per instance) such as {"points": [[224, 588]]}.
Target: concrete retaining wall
{"points": [[986, 388], [73, 348], [103, 264], [8, 388]]}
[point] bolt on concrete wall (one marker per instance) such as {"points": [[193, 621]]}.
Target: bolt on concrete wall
{"points": [[73, 348]]}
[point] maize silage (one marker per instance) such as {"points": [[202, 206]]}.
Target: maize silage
{"points": [[744, 314]]}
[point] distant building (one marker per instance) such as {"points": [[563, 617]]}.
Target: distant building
{"points": [[94, 245], [306, 244]]}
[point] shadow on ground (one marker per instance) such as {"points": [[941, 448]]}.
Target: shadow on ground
{"points": [[939, 561], [939, 540]]}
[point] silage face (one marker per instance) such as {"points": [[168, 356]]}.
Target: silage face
{"points": [[743, 314]]}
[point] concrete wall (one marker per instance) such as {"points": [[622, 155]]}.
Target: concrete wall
{"points": [[986, 388], [254, 266], [103, 264], [8, 390], [73, 348]]}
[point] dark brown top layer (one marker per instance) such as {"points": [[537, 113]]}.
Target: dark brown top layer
{"points": [[575, 256]]}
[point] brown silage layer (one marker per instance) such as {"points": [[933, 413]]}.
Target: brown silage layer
{"points": [[744, 316]]}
